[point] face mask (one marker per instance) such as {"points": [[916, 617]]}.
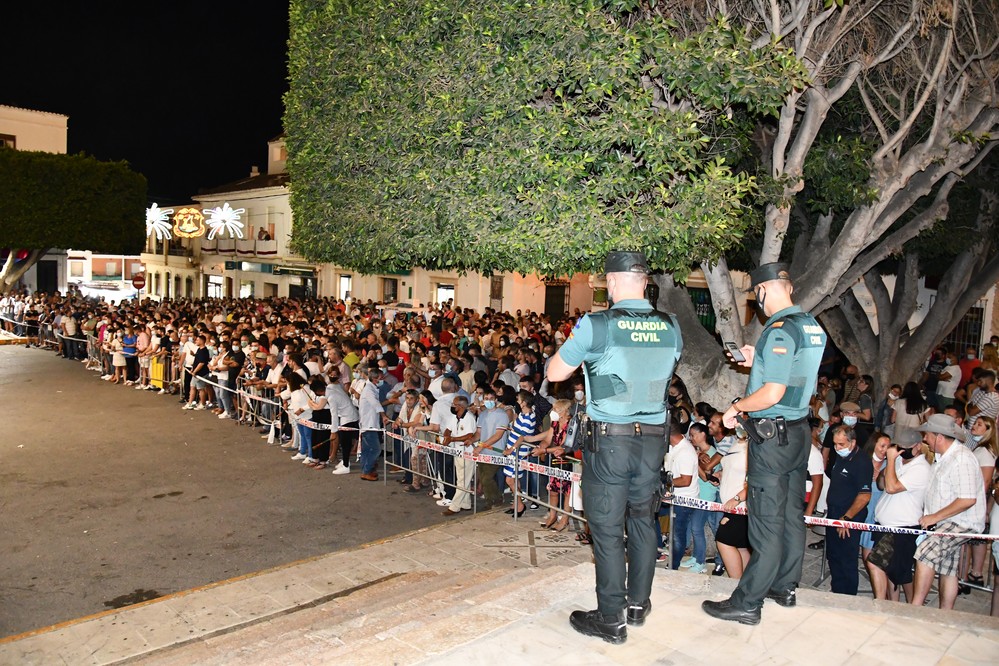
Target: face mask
{"points": [[976, 438], [843, 453], [971, 357], [490, 404], [432, 372], [502, 344], [454, 411], [908, 454], [579, 395], [893, 396], [876, 458], [555, 416], [850, 420]]}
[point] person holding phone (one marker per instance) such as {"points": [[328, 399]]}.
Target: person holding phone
{"points": [[784, 366]]}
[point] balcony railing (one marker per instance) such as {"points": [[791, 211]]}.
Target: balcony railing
{"points": [[240, 247]]}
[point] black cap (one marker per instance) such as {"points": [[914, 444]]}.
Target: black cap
{"points": [[626, 262], [777, 270]]}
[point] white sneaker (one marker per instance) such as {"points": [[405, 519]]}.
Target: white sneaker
{"points": [[309, 461], [190, 405], [298, 456], [105, 377], [444, 502], [139, 387], [341, 469], [129, 382], [200, 406], [223, 415], [162, 392]]}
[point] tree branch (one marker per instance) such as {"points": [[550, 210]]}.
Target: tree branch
{"points": [[723, 300]]}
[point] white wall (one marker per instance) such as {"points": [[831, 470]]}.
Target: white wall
{"points": [[34, 130]]}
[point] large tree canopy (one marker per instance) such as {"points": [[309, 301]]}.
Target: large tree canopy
{"points": [[518, 136], [69, 201], [537, 135]]}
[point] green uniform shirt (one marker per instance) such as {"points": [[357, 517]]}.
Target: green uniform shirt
{"points": [[788, 352], [632, 362]]}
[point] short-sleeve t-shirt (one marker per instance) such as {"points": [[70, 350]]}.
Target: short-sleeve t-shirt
{"points": [[790, 359], [850, 477], [682, 461]]}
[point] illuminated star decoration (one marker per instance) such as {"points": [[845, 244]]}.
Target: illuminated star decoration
{"points": [[224, 218], [158, 220]]}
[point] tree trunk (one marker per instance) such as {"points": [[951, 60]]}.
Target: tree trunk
{"points": [[10, 274], [704, 368]]}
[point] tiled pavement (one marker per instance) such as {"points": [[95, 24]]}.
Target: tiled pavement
{"points": [[482, 589]]}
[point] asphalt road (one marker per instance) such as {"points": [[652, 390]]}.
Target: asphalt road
{"points": [[110, 496]]}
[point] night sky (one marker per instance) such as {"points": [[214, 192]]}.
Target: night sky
{"points": [[187, 92]]}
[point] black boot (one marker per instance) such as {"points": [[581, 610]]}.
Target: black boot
{"points": [[638, 612], [724, 610], [594, 623]]}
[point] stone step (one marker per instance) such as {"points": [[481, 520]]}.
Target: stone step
{"points": [[404, 620]]}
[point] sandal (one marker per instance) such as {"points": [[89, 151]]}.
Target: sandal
{"points": [[584, 539], [974, 580]]}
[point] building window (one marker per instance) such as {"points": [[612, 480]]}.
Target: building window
{"points": [[76, 269], [343, 288], [390, 290], [445, 293], [8, 141], [216, 286], [246, 288], [496, 287]]}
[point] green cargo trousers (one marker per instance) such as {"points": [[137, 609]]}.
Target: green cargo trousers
{"points": [[620, 484]]}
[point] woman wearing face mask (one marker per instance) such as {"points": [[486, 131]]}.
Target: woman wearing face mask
{"points": [[117, 350], [948, 381], [910, 411], [985, 445], [877, 448], [551, 450]]}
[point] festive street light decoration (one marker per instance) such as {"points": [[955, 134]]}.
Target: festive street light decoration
{"points": [[189, 223], [224, 219], [158, 220]]}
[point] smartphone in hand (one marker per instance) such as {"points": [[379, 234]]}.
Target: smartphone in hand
{"points": [[735, 352]]}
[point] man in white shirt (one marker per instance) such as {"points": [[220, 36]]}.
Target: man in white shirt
{"points": [[955, 502], [344, 420], [372, 419], [460, 431], [681, 463], [904, 480]]}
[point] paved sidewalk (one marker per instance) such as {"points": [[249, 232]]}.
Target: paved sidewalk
{"points": [[480, 589]]}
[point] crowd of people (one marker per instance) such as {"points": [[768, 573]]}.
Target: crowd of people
{"points": [[329, 380]]}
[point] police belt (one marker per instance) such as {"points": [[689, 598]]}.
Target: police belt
{"points": [[629, 429], [763, 429]]}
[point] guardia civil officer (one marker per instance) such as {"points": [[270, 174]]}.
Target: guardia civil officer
{"points": [[785, 365], [628, 353]]}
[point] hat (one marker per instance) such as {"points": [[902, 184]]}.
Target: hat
{"points": [[942, 424], [626, 262], [849, 407], [260, 355], [777, 270], [907, 440]]}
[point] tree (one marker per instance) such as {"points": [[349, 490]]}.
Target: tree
{"points": [[536, 136], [916, 82], [521, 136], [70, 201]]}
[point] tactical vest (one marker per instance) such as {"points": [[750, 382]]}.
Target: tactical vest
{"points": [[639, 350]]}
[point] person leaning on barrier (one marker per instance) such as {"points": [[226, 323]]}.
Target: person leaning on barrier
{"points": [[784, 369], [954, 502], [904, 480], [628, 354]]}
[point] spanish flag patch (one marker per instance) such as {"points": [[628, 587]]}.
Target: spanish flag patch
{"points": [[779, 350]]}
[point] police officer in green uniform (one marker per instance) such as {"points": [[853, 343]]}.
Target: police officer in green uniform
{"points": [[785, 365], [628, 353]]}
